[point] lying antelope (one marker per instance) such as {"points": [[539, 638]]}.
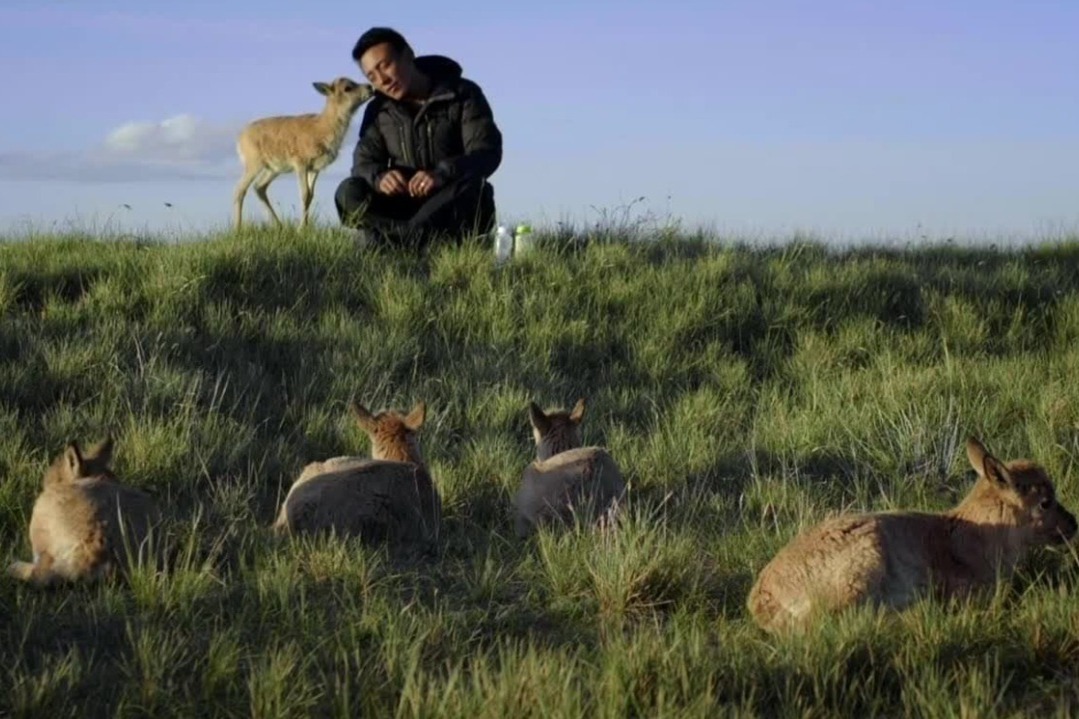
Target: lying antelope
{"points": [[304, 144], [891, 559], [85, 524], [388, 497], [566, 480]]}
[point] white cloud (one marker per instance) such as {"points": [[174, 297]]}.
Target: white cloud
{"points": [[183, 138], [176, 148]]}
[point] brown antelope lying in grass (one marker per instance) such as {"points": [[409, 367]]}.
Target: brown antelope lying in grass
{"points": [[389, 497], [566, 480], [891, 559], [85, 524], [304, 144]]}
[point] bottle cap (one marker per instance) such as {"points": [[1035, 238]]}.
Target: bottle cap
{"points": [[522, 229]]}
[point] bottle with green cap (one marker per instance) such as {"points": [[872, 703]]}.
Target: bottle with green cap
{"points": [[503, 244], [523, 240]]}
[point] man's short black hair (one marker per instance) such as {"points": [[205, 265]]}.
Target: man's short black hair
{"points": [[377, 36]]}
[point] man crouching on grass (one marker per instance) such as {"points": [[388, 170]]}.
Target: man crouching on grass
{"points": [[428, 142]]}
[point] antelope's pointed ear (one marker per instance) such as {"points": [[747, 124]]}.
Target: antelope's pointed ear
{"points": [[73, 458], [322, 87], [986, 465], [539, 420], [997, 472], [976, 453], [363, 417], [416, 417], [577, 414], [103, 451]]}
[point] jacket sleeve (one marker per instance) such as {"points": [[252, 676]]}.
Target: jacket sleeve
{"points": [[481, 138], [370, 157]]}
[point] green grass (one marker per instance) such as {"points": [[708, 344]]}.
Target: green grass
{"points": [[745, 392]]}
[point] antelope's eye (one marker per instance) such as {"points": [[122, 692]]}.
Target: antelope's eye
{"points": [[1046, 503]]}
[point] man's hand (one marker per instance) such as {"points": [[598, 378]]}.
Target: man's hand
{"points": [[393, 182], [423, 183]]}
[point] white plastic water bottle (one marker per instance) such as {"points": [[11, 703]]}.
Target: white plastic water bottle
{"points": [[523, 240], [503, 244]]}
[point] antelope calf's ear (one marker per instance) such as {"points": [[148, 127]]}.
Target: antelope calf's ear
{"points": [[986, 465], [416, 417], [578, 412], [103, 451], [363, 417], [538, 419], [73, 458]]}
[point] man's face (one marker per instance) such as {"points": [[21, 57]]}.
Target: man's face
{"points": [[388, 70]]}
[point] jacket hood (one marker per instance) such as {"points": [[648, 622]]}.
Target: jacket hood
{"points": [[439, 68]]}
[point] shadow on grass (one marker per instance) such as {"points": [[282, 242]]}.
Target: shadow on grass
{"points": [[67, 284]]}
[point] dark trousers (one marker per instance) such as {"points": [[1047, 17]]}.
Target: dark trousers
{"points": [[456, 211]]}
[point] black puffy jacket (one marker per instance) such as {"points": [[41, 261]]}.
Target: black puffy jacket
{"points": [[453, 134]]}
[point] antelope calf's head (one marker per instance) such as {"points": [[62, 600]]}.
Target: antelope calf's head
{"points": [[1027, 490], [345, 92], [394, 435], [78, 463], [555, 431]]}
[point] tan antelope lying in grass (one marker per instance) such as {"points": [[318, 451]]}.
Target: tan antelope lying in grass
{"points": [[85, 525], [891, 559], [304, 144], [566, 480], [388, 497]]}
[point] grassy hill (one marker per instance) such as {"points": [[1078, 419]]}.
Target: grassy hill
{"points": [[745, 393]]}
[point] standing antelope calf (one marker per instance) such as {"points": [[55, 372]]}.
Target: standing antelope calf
{"points": [[566, 480], [891, 559], [84, 522], [389, 497], [304, 144]]}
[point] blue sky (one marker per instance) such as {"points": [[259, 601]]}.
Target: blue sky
{"points": [[851, 119]]}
